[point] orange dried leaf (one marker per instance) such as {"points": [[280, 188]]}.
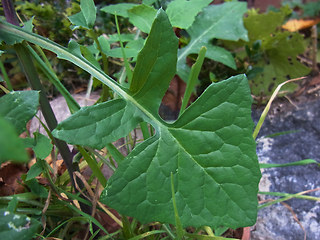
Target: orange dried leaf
{"points": [[296, 25]]}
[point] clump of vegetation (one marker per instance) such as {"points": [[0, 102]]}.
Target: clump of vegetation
{"points": [[193, 178]]}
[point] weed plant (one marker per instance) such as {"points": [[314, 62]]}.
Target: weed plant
{"points": [[193, 178]]}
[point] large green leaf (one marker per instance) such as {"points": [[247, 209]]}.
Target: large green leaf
{"points": [[183, 12], [16, 226], [222, 21], [19, 107], [211, 154], [209, 149]]}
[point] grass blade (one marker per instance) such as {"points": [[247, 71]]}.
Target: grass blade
{"points": [[267, 108], [193, 77], [179, 227], [297, 163]]}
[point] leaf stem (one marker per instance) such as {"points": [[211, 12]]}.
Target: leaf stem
{"points": [[5, 77], [126, 63], [72, 103]]}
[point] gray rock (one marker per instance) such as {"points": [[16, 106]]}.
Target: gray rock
{"points": [[277, 221]]}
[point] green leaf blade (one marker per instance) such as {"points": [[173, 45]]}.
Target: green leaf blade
{"points": [[120, 9], [222, 21], [78, 20], [97, 125], [280, 50], [183, 12], [11, 146], [19, 107], [156, 65], [43, 146], [142, 17], [89, 11], [211, 153]]}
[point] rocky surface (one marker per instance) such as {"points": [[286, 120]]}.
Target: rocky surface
{"points": [[296, 218]]}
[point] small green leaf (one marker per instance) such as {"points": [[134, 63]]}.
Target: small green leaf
{"points": [[78, 20], [131, 49], [19, 107], [120, 9], [12, 205], [125, 37], [43, 146], [11, 146], [261, 25], [182, 13], [74, 48], [104, 43], [86, 17], [10, 39], [97, 125], [28, 25], [142, 17], [223, 21], [16, 226], [89, 56], [34, 171], [89, 11], [37, 188]]}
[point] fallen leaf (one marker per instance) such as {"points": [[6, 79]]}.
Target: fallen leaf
{"points": [[294, 25]]}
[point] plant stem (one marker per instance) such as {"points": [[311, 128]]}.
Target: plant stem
{"points": [[126, 63], [144, 130], [5, 76], [72, 103], [105, 89]]}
